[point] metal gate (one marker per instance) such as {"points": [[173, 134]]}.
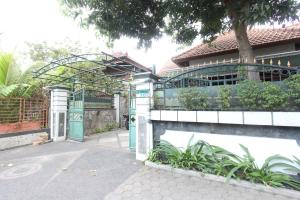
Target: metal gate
{"points": [[132, 118], [76, 116]]}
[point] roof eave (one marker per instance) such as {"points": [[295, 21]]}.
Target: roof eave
{"points": [[180, 60]]}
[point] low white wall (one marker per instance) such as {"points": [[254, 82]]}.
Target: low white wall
{"points": [[259, 147], [19, 140], [291, 119]]}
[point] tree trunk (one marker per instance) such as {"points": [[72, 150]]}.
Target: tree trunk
{"points": [[245, 49]]}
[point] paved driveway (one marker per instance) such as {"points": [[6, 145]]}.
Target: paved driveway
{"points": [[67, 170], [103, 168]]}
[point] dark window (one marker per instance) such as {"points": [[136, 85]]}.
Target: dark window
{"points": [[297, 46], [61, 126]]}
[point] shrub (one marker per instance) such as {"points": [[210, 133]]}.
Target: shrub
{"points": [[224, 97], [207, 158], [108, 127], [193, 99], [293, 84], [249, 94], [242, 73], [156, 101], [273, 97]]}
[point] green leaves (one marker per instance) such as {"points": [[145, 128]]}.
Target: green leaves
{"points": [[193, 99], [293, 84], [207, 158], [267, 96], [12, 81], [249, 94], [225, 95], [183, 19], [273, 97], [6, 62]]}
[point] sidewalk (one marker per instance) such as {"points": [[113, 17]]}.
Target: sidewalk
{"points": [[153, 184]]}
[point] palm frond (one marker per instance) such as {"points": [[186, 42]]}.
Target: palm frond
{"points": [[6, 61]]}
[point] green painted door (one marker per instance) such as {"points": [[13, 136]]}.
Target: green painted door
{"points": [[76, 116], [132, 118]]}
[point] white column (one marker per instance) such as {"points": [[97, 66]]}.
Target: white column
{"points": [[117, 107], [58, 113], [144, 133]]}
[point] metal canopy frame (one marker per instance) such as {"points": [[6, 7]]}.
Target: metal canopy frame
{"points": [[105, 65]]}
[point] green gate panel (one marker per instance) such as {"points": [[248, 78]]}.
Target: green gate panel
{"points": [[76, 116]]}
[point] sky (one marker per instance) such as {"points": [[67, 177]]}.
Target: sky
{"points": [[43, 20]]}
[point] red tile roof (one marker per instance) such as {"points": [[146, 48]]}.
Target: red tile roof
{"points": [[227, 42], [126, 58]]}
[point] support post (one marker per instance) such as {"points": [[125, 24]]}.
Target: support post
{"points": [[144, 134], [58, 113], [117, 107]]}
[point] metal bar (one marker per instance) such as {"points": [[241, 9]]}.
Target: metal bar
{"points": [[103, 64]]}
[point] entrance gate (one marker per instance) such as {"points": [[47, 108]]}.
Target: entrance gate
{"points": [[76, 116]]}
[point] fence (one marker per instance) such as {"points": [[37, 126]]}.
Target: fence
{"points": [[226, 74], [168, 99], [19, 114], [95, 99]]}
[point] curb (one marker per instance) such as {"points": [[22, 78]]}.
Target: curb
{"points": [[245, 184]]}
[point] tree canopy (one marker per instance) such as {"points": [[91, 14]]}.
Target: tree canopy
{"points": [[183, 19]]}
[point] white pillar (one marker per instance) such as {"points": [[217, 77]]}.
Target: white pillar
{"points": [[117, 107], [144, 133], [58, 113]]}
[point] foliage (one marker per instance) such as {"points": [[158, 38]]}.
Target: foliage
{"points": [[193, 99], [12, 81], [207, 158], [267, 174], [293, 84], [272, 96], [225, 95], [184, 19], [43, 53], [249, 94], [108, 127], [6, 62], [242, 73], [21, 90], [156, 101]]}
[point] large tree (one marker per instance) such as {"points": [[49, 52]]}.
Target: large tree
{"points": [[183, 19]]}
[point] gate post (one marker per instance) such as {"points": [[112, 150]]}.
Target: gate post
{"points": [[58, 113], [117, 107], [144, 134]]}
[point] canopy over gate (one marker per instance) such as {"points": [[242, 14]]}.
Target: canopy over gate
{"points": [[89, 71], [92, 79]]}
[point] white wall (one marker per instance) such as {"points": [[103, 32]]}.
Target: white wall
{"points": [[259, 147]]}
